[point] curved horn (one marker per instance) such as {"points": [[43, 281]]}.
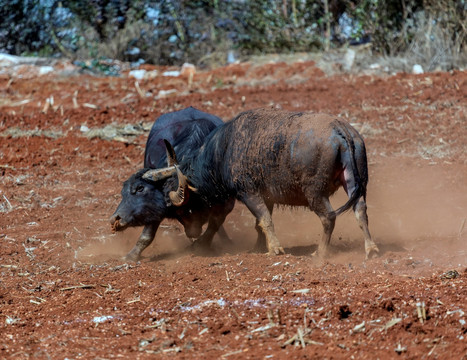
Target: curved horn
{"points": [[171, 157], [159, 174], [178, 197]]}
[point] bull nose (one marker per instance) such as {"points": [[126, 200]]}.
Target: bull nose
{"points": [[113, 219], [193, 232]]}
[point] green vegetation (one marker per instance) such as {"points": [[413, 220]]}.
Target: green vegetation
{"points": [[204, 31]]}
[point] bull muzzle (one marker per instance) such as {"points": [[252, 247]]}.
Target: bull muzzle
{"points": [[117, 223], [193, 232]]}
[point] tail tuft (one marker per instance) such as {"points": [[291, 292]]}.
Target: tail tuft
{"points": [[357, 193]]}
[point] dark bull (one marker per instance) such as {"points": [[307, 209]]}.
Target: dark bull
{"points": [[265, 157], [144, 202]]}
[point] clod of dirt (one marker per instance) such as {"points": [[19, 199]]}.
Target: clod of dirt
{"points": [[388, 305], [343, 312]]}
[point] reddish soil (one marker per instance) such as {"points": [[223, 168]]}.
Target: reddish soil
{"points": [[66, 293]]}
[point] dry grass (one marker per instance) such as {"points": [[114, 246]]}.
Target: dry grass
{"points": [[434, 48]]}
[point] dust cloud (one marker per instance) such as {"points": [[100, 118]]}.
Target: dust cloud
{"points": [[410, 208], [170, 239]]}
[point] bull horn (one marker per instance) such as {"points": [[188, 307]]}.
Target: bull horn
{"points": [[178, 197], [171, 157], [159, 174]]}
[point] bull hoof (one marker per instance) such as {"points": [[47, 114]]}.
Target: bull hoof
{"points": [[131, 256], [320, 254], [371, 253], [277, 250]]}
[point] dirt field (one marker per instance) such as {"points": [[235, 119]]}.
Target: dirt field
{"points": [[66, 293]]}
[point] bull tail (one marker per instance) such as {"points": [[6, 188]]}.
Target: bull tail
{"points": [[351, 178], [356, 194]]}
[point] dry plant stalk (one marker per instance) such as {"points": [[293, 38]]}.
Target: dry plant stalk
{"points": [[74, 99], [138, 89], [91, 106], [421, 311], [81, 286]]}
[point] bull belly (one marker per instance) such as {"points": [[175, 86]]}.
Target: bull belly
{"points": [[288, 198]]}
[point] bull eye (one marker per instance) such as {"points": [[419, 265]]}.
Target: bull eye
{"points": [[139, 188]]}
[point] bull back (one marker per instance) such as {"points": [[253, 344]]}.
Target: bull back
{"points": [[185, 130], [272, 152]]}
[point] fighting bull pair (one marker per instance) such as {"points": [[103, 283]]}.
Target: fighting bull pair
{"points": [[197, 166]]}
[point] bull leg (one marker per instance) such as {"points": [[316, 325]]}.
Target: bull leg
{"points": [[223, 234], [214, 225], [145, 239], [216, 219], [264, 222], [360, 213], [260, 245], [324, 211]]}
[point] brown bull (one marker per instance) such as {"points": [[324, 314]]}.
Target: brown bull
{"points": [[265, 157]]}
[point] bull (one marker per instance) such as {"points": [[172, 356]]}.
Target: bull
{"points": [[143, 202], [265, 157]]}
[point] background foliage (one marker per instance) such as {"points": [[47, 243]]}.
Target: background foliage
{"points": [[204, 32]]}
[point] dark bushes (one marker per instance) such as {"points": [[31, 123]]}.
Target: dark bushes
{"points": [[204, 31]]}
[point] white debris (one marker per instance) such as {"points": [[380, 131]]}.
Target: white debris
{"points": [[171, 73], [11, 60], [417, 69], [101, 319], [151, 74], [349, 59], [137, 74], [301, 291], [84, 128], [134, 51], [8, 60], [45, 70], [11, 320], [264, 328], [231, 58], [163, 93], [359, 327], [188, 69]]}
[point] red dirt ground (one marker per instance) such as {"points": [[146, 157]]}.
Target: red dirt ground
{"points": [[66, 293]]}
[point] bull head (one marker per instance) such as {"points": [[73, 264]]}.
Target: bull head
{"points": [[178, 197]]}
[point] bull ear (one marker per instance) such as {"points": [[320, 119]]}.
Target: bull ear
{"points": [[159, 174], [171, 157]]}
